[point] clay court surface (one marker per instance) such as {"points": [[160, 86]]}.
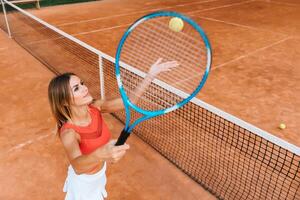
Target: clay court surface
{"points": [[255, 76]]}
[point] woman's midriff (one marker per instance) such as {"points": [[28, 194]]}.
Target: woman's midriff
{"points": [[95, 169]]}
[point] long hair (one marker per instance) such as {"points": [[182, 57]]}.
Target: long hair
{"points": [[60, 98]]}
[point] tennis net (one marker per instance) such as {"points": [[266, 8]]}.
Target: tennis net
{"points": [[229, 157]]}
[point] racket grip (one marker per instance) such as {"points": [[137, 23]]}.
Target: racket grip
{"points": [[122, 138]]}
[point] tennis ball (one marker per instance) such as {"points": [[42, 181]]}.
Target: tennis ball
{"points": [[282, 126], [176, 24]]}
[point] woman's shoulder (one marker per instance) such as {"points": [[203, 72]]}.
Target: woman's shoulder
{"points": [[67, 132], [96, 104], [66, 127], [95, 109]]}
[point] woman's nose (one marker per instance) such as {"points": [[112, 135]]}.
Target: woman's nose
{"points": [[85, 88]]}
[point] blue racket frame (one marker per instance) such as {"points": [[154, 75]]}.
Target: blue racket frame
{"points": [[150, 114]]}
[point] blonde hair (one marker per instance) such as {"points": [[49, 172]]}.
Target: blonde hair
{"points": [[60, 98]]}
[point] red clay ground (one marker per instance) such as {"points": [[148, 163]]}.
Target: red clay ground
{"points": [[255, 77]]}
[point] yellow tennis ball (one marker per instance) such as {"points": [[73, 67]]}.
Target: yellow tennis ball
{"points": [[176, 24], [282, 126]]}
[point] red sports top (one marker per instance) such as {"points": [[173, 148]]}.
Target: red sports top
{"points": [[94, 135]]}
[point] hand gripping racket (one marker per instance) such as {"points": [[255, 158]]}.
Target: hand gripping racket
{"points": [[153, 43]]}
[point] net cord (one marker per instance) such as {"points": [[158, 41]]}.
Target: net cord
{"points": [[5, 17], [101, 75]]}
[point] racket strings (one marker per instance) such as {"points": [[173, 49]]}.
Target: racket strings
{"points": [[180, 82], [169, 38], [160, 103], [149, 55], [175, 76], [153, 39], [166, 43], [133, 57], [160, 99], [141, 41], [187, 36], [184, 37], [191, 73]]}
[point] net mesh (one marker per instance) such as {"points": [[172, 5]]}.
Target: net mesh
{"points": [[54, 50], [2, 18], [229, 160]]}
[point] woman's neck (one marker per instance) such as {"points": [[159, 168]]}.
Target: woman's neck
{"points": [[80, 115]]}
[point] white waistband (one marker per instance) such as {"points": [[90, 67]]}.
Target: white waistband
{"points": [[87, 177]]}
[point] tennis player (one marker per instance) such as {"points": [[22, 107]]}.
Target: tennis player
{"points": [[84, 134]]}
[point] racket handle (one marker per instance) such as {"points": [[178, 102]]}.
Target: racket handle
{"points": [[122, 138]]}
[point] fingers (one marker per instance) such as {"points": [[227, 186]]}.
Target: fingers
{"points": [[159, 67], [123, 147], [167, 66], [112, 142], [117, 152], [117, 156], [171, 64], [158, 61]]}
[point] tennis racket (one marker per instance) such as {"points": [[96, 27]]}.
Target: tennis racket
{"points": [[167, 40]]}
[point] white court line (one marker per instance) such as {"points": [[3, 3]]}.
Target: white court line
{"points": [[126, 25], [102, 29], [132, 13], [225, 6], [281, 3], [28, 142], [242, 26], [207, 18], [202, 17], [253, 52], [3, 48]]}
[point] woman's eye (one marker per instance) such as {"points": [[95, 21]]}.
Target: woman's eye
{"points": [[82, 83], [75, 89]]}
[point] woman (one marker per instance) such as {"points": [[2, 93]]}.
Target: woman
{"points": [[84, 134]]}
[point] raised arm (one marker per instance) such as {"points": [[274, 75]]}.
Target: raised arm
{"points": [[155, 69], [114, 105]]}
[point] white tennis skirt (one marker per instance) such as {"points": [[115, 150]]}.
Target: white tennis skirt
{"points": [[85, 186]]}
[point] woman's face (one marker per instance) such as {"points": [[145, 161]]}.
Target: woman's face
{"points": [[79, 91]]}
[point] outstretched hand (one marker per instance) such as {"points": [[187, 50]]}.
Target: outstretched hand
{"points": [[111, 153], [154, 70], [159, 67]]}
